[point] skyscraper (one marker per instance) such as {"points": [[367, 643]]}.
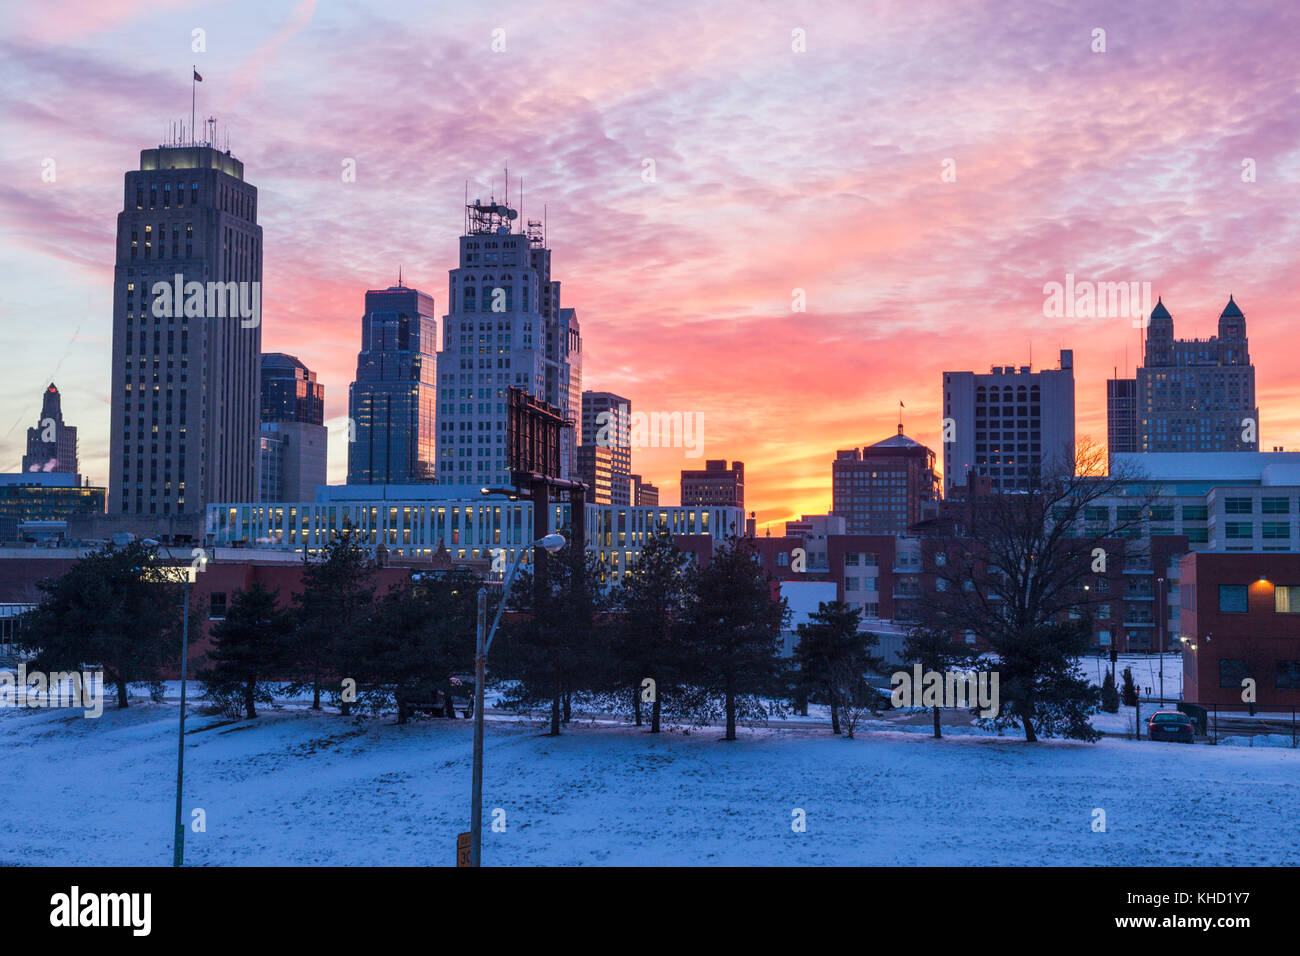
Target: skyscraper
{"points": [[1197, 394], [290, 392], [292, 451], [606, 421], [1121, 416], [393, 402], [504, 327], [884, 488], [1009, 424], [51, 445], [187, 336]]}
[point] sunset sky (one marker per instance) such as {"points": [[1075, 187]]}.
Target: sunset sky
{"points": [[775, 170]]}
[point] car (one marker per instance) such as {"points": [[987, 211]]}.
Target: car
{"points": [[1171, 725]]}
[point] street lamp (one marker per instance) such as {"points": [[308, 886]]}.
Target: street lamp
{"points": [[551, 543], [169, 575]]}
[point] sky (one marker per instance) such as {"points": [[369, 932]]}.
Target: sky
{"points": [[781, 218]]}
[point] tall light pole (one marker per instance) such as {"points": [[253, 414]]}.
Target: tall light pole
{"points": [[483, 644], [178, 844], [1160, 618]]}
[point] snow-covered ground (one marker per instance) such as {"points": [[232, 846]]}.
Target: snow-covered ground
{"points": [[293, 787]]}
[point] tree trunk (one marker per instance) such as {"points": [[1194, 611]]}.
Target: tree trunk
{"points": [[731, 715], [121, 693], [636, 705], [937, 732], [250, 704], [555, 716], [654, 716], [315, 691], [568, 707], [1030, 736], [801, 705], [835, 710]]}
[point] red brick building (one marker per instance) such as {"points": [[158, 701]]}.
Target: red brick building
{"points": [[1240, 616]]}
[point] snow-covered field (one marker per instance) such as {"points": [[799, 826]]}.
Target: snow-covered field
{"points": [[293, 787]]}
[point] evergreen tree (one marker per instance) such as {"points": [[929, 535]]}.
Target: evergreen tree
{"points": [[1129, 693], [251, 648], [421, 633], [552, 645], [1109, 696], [834, 656], [652, 598], [332, 611], [118, 608], [935, 649], [733, 631]]}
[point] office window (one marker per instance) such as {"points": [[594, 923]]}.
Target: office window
{"points": [[1277, 529], [1288, 675], [1237, 506], [1232, 599], [1275, 506], [1238, 529], [217, 610], [1231, 673], [1286, 599]]}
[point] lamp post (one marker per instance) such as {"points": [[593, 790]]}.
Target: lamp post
{"points": [[1160, 618], [483, 644]]}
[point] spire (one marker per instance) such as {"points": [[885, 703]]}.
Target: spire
{"points": [[1160, 312], [1231, 310]]}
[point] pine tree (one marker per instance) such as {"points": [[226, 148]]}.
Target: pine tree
{"points": [[251, 648], [733, 631], [118, 608], [651, 599], [332, 611], [1109, 696], [834, 656], [1129, 692], [935, 649], [553, 644]]}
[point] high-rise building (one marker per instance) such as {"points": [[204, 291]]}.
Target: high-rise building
{"points": [[644, 494], [884, 488], [606, 421], [1010, 424], [290, 392], [596, 466], [187, 335], [51, 445], [504, 327], [715, 484], [393, 402], [1197, 395], [292, 451], [1121, 416]]}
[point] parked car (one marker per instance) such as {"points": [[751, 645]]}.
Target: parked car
{"points": [[1171, 725]]}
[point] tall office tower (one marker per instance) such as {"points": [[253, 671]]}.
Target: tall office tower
{"points": [[1009, 424], [292, 451], [884, 488], [596, 466], [606, 421], [393, 403], [504, 327], [1121, 416], [1197, 394], [290, 392], [51, 445], [187, 334], [715, 484], [644, 494]]}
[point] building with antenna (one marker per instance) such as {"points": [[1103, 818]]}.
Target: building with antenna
{"points": [[52, 445], [505, 326], [392, 404], [187, 336]]}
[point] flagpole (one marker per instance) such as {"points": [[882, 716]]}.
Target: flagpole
{"points": [[194, 71]]}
